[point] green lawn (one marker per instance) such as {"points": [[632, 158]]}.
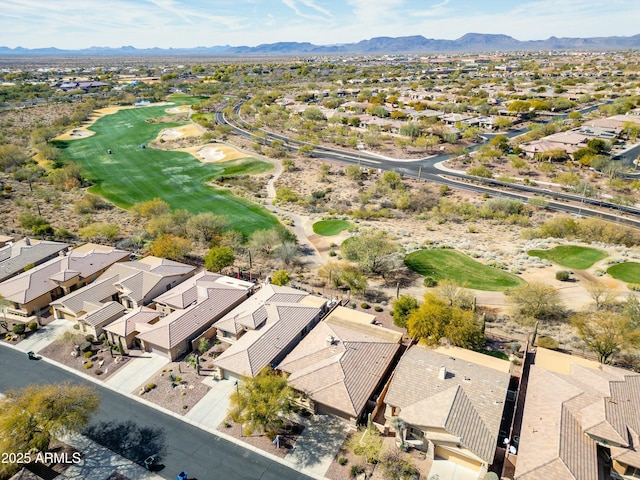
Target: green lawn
{"points": [[329, 228], [132, 174], [452, 265], [572, 256], [627, 272]]}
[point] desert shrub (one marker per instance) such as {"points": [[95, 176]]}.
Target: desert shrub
{"points": [[88, 354], [547, 342], [88, 365], [342, 461], [149, 386], [378, 308], [98, 372], [356, 470], [76, 327], [18, 328], [89, 338], [364, 305], [634, 287], [33, 326], [85, 346], [562, 275], [430, 282]]}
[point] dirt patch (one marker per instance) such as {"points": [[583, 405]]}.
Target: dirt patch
{"points": [[103, 363], [289, 433], [177, 387]]}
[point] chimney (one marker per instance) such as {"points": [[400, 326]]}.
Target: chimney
{"points": [[329, 340], [27, 241], [442, 373]]}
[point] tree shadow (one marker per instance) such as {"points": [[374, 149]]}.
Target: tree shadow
{"points": [[129, 440], [324, 439]]}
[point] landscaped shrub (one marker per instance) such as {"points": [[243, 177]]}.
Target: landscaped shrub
{"points": [[89, 338], [98, 372], [352, 304], [356, 470], [342, 461], [364, 305], [547, 342], [76, 327], [149, 386], [378, 308], [88, 365], [85, 346], [430, 282], [88, 354], [18, 328], [332, 253], [562, 275], [635, 287], [33, 326]]}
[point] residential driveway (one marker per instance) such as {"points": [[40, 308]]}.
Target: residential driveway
{"points": [[446, 470], [318, 444], [211, 410], [138, 369], [43, 337]]}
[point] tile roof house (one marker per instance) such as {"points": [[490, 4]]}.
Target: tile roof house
{"points": [[131, 284], [580, 418], [342, 363], [33, 290], [126, 327], [265, 328], [451, 403], [188, 311], [16, 256]]}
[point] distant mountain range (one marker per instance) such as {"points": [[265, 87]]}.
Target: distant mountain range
{"points": [[471, 42]]}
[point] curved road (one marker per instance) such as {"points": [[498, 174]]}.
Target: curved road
{"points": [[205, 456], [426, 169]]}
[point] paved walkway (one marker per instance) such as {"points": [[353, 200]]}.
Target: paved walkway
{"points": [[317, 445], [212, 409], [99, 463], [44, 336], [138, 369]]}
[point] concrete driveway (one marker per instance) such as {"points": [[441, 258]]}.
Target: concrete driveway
{"points": [[446, 470]]}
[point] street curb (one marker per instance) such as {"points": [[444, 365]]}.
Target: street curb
{"points": [[149, 404]]}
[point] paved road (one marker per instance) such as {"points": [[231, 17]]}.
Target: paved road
{"points": [[426, 169], [205, 456]]}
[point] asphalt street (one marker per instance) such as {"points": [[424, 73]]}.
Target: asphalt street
{"points": [[203, 455]]}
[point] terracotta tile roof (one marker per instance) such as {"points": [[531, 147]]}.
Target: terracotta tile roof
{"points": [[258, 348], [126, 325], [183, 323], [342, 372], [16, 256], [474, 397], [566, 403], [36, 282], [103, 313]]}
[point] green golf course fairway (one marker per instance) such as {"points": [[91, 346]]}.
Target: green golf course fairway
{"points": [[448, 264], [328, 228], [572, 256], [627, 272], [131, 174]]}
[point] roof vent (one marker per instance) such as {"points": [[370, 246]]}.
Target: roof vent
{"points": [[442, 373], [330, 340], [467, 379], [27, 241]]}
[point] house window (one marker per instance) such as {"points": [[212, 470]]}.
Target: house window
{"points": [[632, 472]]}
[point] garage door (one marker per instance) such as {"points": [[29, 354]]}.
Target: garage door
{"points": [[457, 458]]}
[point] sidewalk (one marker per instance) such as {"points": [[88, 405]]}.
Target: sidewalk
{"points": [[99, 462], [138, 369], [44, 336]]}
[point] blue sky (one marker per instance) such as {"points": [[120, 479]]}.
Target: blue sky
{"points": [[188, 23]]}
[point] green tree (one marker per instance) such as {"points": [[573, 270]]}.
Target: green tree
{"points": [[402, 308], [203, 345], [536, 302], [606, 333], [151, 208], [370, 251], [206, 226], [260, 402], [428, 321], [99, 231], [280, 277], [32, 416], [218, 258], [264, 242]]}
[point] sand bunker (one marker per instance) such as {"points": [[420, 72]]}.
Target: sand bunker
{"points": [[183, 131], [214, 152], [179, 109]]}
